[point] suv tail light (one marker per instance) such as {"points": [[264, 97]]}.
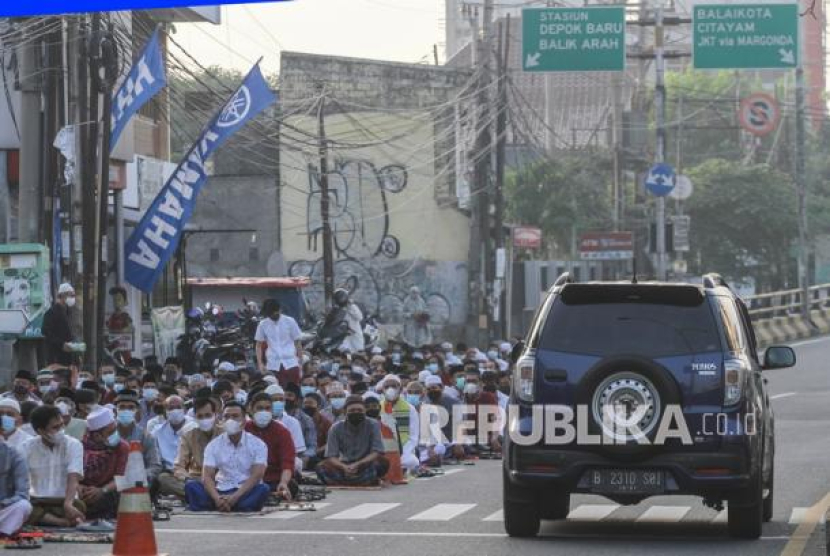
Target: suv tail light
{"points": [[735, 372], [525, 372]]}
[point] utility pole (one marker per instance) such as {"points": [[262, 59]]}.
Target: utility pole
{"points": [[31, 144], [660, 145], [328, 255], [500, 330], [801, 188]]}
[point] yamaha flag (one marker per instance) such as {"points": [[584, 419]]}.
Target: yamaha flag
{"points": [[157, 235], [146, 78]]}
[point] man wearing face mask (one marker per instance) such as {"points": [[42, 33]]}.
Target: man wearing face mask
{"points": [[149, 396], [400, 416], [56, 329], [74, 427], [336, 394], [105, 456], [47, 386], [479, 402], [439, 444], [278, 347], [190, 456], [234, 466], [353, 450], [277, 395], [56, 465], [168, 436], [10, 422], [293, 398], [279, 473], [22, 388], [128, 416], [322, 423]]}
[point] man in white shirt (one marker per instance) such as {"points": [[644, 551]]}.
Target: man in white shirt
{"points": [[278, 347], [291, 423], [10, 424], [56, 466], [233, 468], [168, 436]]}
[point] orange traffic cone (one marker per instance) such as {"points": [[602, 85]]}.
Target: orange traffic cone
{"points": [[134, 535], [390, 451]]}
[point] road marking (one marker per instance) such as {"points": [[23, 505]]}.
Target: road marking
{"points": [[796, 545], [442, 512], [784, 395], [664, 514], [363, 511], [592, 512], [722, 517], [450, 472], [496, 516], [797, 515], [292, 514], [808, 342]]}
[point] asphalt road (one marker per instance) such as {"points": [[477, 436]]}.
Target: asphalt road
{"points": [[459, 513]]}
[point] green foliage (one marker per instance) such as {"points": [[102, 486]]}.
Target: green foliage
{"points": [[743, 221], [563, 197]]}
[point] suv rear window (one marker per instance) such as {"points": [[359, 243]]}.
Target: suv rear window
{"points": [[630, 324]]}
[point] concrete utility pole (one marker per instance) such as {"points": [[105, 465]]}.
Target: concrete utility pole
{"points": [[499, 329], [31, 144], [328, 254], [801, 187], [660, 145]]}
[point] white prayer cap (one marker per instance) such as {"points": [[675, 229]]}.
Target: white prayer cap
{"points": [[274, 389], [432, 380], [10, 403], [99, 419]]}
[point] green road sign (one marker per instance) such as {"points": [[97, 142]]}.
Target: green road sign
{"points": [[745, 36], [573, 39]]}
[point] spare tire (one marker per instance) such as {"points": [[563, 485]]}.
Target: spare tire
{"points": [[626, 397]]}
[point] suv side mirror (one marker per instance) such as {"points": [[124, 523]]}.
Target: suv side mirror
{"points": [[779, 357], [518, 348]]}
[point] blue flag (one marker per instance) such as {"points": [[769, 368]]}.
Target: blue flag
{"points": [[146, 78], [157, 235]]}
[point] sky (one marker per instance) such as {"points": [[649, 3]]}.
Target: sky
{"points": [[396, 30]]}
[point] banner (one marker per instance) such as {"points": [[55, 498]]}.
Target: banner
{"points": [[57, 7], [146, 78], [157, 235], [168, 326]]}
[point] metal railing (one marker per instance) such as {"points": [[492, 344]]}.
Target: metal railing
{"points": [[786, 302]]}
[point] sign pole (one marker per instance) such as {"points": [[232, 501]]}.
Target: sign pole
{"points": [[801, 188], [660, 145]]}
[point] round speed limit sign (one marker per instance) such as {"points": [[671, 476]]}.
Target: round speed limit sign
{"points": [[759, 114]]}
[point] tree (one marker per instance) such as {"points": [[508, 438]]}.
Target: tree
{"points": [[743, 222], [563, 197]]}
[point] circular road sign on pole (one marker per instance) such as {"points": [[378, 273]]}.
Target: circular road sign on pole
{"points": [[759, 114]]}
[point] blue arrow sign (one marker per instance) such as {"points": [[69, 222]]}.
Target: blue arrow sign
{"points": [[660, 179]]}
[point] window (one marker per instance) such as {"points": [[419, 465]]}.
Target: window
{"points": [[732, 329]]}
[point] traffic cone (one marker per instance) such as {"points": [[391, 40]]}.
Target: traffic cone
{"points": [[134, 535], [390, 450]]}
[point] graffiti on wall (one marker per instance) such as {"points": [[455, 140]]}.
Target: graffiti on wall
{"points": [[358, 208]]}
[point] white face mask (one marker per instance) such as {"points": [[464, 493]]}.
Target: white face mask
{"points": [[206, 425], [232, 426], [176, 416], [70, 301], [471, 388], [263, 418], [391, 393]]}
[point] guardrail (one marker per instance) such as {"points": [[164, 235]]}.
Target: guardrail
{"points": [[786, 302]]}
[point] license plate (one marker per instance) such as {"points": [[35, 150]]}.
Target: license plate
{"points": [[626, 481]]}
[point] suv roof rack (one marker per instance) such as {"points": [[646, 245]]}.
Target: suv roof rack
{"points": [[564, 278], [713, 280]]}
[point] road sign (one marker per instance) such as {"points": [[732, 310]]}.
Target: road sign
{"points": [[745, 36], [683, 188], [759, 114], [527, 237], [606, 246], [680, 229], [573, 39], [660, 179]]}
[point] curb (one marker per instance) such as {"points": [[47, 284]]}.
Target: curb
{"points": [[779, 330]]}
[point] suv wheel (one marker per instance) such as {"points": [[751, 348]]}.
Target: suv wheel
{"points": [[747, 513], [554, 505], [521, 519]]}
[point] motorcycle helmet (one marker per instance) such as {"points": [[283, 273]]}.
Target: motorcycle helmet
{"points": [[341, 297], [195, 314]]}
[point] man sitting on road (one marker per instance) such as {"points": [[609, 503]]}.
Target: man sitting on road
{"points": [[234, 466], [353, 450], [293, 398], [56, 465], [105, 456], [10, 422], [280, 470], [277, 395], [191, 453], [129, 416], [14, 491], [168, 437]]}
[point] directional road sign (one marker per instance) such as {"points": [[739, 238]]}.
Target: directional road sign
{"points": [[573, 39], [683, 188], [745, 36], [660, 179]]}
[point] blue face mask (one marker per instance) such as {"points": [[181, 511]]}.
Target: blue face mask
{"points": [[126, 417], [117, 387], [114, 439], [8, 423], [338, 403], [306, 390], [433, 368], [278, 408], [413, 399], [334, 368]]}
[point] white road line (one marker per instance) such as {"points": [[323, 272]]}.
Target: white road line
{"points": [[592, 512], [797, 515], [664, 514], [442, 512], [722, 517], [808, 342], [292, 514], [363, 511], [450, 472], [497, 516], [784, 395]]}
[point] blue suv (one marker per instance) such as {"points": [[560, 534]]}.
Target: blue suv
{"points": [[630, 390]]}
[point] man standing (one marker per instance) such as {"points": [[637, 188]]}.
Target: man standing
{"points": [[234, 466], [416, 331], [168, 436], [354, 341], [280, 469], [278, 346], [14, 491], [190, 457], [10, 422], [105, 456], [56, 329], [353, 450], [56, 465]]}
